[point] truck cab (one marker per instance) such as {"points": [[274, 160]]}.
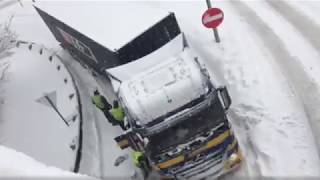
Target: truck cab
{"points": [[177, 116]]}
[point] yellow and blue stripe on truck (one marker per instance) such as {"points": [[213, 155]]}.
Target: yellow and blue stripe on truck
{"points": [[219, 143]]}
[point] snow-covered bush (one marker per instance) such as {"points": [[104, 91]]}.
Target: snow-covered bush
{"points": [[17, 164], [7, 36], [7, 39]]}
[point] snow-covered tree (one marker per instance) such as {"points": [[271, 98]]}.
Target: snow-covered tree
{"points": [[7, 39], [7, 36]]}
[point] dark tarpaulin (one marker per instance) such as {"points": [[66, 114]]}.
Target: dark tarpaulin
{"points": [[85, 50], [150, 40], [97, 57]]}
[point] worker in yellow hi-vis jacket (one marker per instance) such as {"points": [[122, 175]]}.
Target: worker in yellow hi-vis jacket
{"points": [[140, 161], [118, 114], [101, 103]]}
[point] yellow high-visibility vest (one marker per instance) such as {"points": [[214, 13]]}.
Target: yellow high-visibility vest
{"points": [[118, 113], [97, 100], [136, 156]]}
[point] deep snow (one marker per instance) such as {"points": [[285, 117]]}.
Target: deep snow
{"points": [[15, 164], [306, 29], [265, 113], [31, 126]]}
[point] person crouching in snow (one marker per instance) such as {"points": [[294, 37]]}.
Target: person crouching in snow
{"points": [[140, 161], [101, 103], [118, 114]]}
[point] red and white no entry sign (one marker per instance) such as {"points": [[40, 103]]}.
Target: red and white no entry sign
{"points": [[212, 18]]}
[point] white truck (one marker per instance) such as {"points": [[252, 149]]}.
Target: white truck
{"points": [[178, 118]]}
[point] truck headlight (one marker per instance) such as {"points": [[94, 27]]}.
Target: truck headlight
{"points": [[234, 159]]}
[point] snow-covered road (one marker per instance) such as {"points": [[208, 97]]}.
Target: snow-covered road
{"points": [[308, 82], [293, 41], [90, 161], [304, 24], [99, 149], [266, 111], [6, 4], [292, 72]]}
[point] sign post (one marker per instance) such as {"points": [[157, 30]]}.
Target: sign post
{"points": [[51, 101], [215, 30], [55, 108]]}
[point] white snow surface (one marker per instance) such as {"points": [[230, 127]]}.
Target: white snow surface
{"points": [[150, 82], [16, 164], [269, 119], [133, 68], [33, 127], [26, 22], [309, 9], [157, 90]]}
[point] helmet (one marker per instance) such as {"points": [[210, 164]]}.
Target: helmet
{"points": [[96, 92]]}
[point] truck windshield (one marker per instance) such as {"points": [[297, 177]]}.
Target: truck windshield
{"points": [[186, 130]]}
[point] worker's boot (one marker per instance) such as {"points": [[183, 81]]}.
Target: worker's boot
{"points": [[145, 170]]}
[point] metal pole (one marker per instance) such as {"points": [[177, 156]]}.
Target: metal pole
{"points": [[215, 30], [20, 3], [55, 108]]}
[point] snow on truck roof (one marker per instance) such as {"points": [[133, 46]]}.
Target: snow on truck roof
{"points": [[172, 83], [126, 71], [151, 86], [110, 23]]}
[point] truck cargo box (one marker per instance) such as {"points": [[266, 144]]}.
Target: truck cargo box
{"points": [[104, 34]]}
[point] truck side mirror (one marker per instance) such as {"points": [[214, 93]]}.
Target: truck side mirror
{"points": [[224, 97]]}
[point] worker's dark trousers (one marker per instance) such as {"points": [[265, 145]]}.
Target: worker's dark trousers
{"points": [[121, 124], [108, 116], [145, 168]]}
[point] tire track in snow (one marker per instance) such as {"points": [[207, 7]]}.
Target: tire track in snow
{"points": [[107, 147], [306, 26], [298, 78], [7, 3], [89, 114], [79, 151], [215, 67]]}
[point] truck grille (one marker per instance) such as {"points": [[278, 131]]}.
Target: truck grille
{"points": [[211, 162]]}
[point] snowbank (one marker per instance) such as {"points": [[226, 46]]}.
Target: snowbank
{"points": [[28, 122], [17, 164], [26, 23]]}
